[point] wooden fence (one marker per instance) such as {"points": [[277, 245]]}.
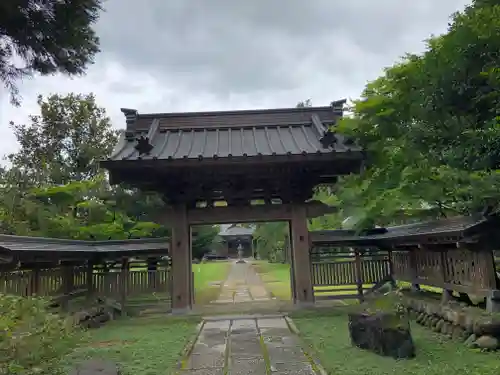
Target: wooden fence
{"points": [[124, 285], [459, 270], [338, 274]]}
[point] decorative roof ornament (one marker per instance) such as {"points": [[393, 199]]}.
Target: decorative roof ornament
{"points": [[328, 139], [349, 141], [143, 146], [130, 115]]}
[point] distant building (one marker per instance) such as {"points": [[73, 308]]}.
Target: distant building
{"points": [[234, 237]]}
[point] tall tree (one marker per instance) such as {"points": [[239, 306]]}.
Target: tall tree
{"points": [[431, 128], [46, 37], [304, 103], [64, 142]]}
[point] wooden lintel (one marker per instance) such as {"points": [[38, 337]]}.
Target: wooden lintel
{"points": [[246, 214]]}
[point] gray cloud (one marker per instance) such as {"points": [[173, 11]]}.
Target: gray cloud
{"points": [[192, 55], [229, 47]]}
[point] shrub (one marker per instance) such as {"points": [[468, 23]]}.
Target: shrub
{"points": [[32, 339]]}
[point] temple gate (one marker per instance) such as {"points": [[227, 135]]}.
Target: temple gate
{"points": [[234, 167]]}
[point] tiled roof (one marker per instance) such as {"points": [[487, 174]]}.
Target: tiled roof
{"points": [[455, 226], [29, 244], [231, 134]]}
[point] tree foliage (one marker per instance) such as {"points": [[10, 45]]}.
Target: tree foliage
{"points": [[33, 339], [64, 142], [46, 37], [54, 187], [430, 127], [270, 240]]}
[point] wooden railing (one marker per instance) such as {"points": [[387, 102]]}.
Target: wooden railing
{"points": [[460, 270], [342, 275], [122, 285]]}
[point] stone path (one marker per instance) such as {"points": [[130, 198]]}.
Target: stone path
{"points": [[242, 285], [247, 346]]}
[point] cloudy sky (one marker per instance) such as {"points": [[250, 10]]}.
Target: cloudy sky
{"points": [[188, 55]]}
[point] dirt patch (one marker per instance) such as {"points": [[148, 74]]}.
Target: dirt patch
{"points": [[106, 344]]}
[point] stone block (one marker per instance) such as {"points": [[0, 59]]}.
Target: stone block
{"points": [[386, 334], [96, 367]]}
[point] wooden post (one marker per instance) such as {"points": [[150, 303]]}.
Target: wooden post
{"points": [[181, 262], [391, 267], [90, 279], [413, 271], [152, 267], [252, 248], [299, 235], [35, 281], [447, 294], [124, 272], [191, 272], [67, 284], [359, 274]]}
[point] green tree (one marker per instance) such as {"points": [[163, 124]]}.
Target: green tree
{"points": [[46, 37], [205, 237], [430, 127], [304, 103], [271, 240], [65, 142]]}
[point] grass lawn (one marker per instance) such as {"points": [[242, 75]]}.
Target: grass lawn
{"points": [[329, 338], [146, 346], [204, 275], [276, 277]]}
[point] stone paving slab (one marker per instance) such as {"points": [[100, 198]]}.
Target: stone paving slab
{"points": [[237, 344], [243, 317], [275, 322], [248, 367], [202, 361], [292, 368], [203, 371]]}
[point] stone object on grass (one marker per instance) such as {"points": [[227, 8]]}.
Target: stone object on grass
{"points": [[95, 316], [386, 334], [96, 367], [487, 343]]}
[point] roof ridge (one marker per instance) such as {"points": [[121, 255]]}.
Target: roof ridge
{"points": [[335, 106]]}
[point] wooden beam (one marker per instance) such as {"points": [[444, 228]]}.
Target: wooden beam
{"points": [[258, 213], [181, 262], [303, 289]]}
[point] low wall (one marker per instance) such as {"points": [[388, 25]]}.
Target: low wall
{"points": [[476, 327]]}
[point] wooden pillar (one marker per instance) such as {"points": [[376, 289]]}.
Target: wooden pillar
{"points": [[390, 259], [152, 266], [67, 284], [414, 271], [359, 274], [124, 272], [181, 261], [447, 294], [35, 281], [90, 279], [299, 235]]}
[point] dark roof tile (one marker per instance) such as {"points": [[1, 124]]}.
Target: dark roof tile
{"points": [[455, 226], [28, 244], [232, 134], [236, 142]]}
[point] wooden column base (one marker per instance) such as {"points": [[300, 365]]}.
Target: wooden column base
{"points": [[181, 262], [304, 294]]}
